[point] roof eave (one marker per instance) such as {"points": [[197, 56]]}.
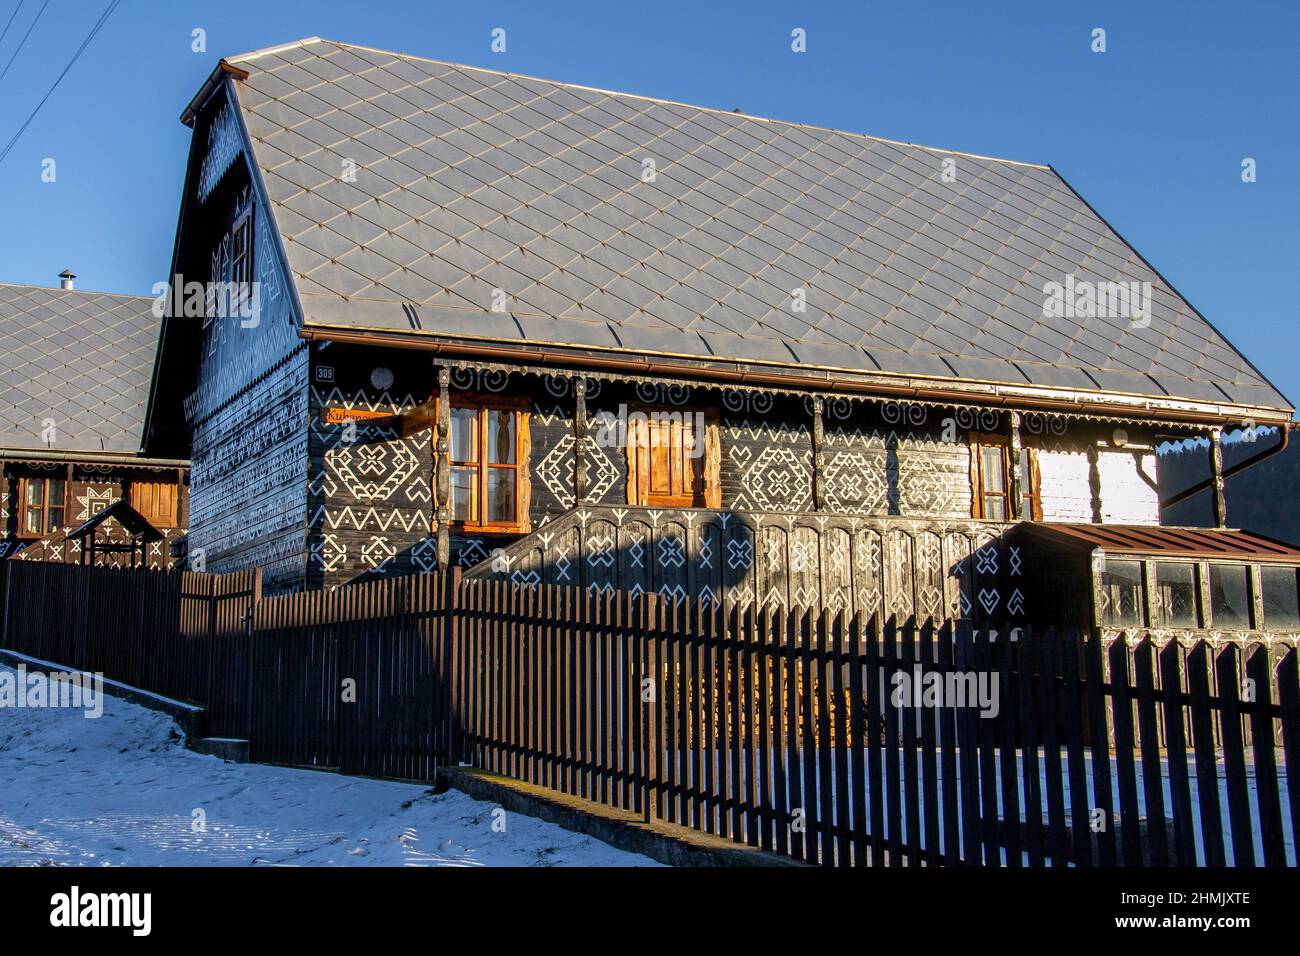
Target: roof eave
{"points": [[223, 69], [1044, 398]]}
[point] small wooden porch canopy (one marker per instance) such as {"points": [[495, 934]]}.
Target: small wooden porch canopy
{"points": [[1157, 541], [140, 533]]}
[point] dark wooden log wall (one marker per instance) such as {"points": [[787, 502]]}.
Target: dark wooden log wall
{"points": [[248, 501], [371, 505], [370, 501]]}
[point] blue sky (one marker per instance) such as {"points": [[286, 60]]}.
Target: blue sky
{"points": [[1152, 132]]}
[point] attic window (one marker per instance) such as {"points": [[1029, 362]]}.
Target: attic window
{"points": [[241, 260]]}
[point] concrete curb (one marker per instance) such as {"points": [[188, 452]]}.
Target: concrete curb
{"points": [[188, 717], [663, 842]]}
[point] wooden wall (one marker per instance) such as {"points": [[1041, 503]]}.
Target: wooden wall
{"points": [[371, 507], [93, 488], [248, 409], [1129, 481], [370, 499], [894, 565]]}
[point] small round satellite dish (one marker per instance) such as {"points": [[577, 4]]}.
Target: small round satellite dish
{"points": [[1119, 438], [381, 377]]}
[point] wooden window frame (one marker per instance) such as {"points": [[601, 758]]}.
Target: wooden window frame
{"points": [[242, 263], [23, 482], [520, 406], [1031, 487], [709, 494]]}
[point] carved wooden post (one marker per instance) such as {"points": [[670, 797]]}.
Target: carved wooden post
{"points": [[442, 487], [1218, 502], [1094, 480], [579, 440], [818, 464], [1017, 489]]}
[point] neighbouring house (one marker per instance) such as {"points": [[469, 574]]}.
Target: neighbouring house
{"points": [[74, 377], [556, 333]]}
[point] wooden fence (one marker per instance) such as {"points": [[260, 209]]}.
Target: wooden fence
{"points": [[812, 734], [171, 632], [836, 739]]}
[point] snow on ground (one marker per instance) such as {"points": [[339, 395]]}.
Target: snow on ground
{"points": [[122, 790]]}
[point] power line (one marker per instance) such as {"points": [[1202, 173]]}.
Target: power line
{"points": [[108, 12], [5, 32], [21, 43]]}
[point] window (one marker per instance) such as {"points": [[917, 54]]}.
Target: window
{"points": [[241, 260], [668, 460], [1229, 596], [1119, 593], [156, 500], [1281, 609], [488, 463], [991, 479], [1175, 595], [42, 509]]}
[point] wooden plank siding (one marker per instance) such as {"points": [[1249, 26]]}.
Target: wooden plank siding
{"points": [[868, 565]]}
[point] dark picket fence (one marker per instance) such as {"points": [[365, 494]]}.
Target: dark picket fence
{"points": [[807, 734], [779, 728], [167, 631]]}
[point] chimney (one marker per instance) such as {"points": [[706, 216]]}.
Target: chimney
{"points": [[66, 278]]}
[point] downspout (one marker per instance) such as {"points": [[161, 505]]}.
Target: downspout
{"points": [[1236, 469]]}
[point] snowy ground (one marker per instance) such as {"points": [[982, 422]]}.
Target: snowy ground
{"points": [[121, 790]]}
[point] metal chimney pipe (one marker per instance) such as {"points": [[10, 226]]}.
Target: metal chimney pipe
{"points": [[66, 278]]}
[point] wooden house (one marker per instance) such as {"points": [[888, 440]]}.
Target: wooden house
{"points": [[556, 333], [74, 377]]}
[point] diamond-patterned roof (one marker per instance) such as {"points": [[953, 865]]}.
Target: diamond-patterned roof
{"points": [[79, 359], [469, 181]]}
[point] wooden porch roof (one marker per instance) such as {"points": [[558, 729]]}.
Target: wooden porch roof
{"points": [[1158, 541]]}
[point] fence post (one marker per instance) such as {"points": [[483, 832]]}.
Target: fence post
{"points": [[650, 720], [449, 584], [211, 636], [254, 599], [4, 601]]}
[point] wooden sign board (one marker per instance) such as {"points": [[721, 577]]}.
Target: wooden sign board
{"points": [[341, 416]]}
